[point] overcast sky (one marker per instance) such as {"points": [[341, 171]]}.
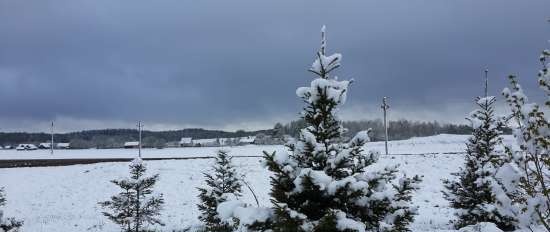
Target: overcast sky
{"points": [[90, 64]]}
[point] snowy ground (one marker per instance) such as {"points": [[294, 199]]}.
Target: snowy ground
{"points": [[433, 144], [65, 198]]}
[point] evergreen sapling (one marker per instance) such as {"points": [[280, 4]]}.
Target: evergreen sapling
{"points": [[7, 224], [219, 186], [135, 208], [475, 194]]}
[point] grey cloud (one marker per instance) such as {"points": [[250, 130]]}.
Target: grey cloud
{"points": [[228, 63]]}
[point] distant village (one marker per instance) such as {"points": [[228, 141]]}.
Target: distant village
{"points": [[184, 142], [127, 138]]}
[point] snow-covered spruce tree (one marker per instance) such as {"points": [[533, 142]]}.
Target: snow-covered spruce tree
{"points": [[473, 193], [7, 224], [134, 208], [321, 183], [219, 185], [532, 162]]}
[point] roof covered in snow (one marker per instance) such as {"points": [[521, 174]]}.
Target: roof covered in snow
{"points": [[249, 139], [185, 140], [44, 144], [204, 141], [63, 145], [132, 143]]}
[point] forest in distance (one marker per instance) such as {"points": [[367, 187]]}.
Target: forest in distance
{"points": [[114, 138]]}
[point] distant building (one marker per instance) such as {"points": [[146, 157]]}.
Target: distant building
{"points": [[56, 146], [247, 140], [133, 144], [63, 145], [186, 142], [26, 147], [45, 146], [206, 142]]}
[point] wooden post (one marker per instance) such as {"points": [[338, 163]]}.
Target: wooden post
{"points": [[139, 145], [51, 142], [385, 107]]}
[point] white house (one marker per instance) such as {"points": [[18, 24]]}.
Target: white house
{"points": [[44, 145], [205, 142], [63, 145], [247, 140], [132, 144], [23, 147], [186, 142]]}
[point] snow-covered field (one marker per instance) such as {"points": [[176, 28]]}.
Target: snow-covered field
{"points": [[65, 198], [433, 144]]}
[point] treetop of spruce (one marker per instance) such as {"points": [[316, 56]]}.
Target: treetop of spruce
{"points": [[136, 162]]}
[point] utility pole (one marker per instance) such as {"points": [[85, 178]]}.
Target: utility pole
{"points": [[51, 143], [385, 107], [140, 126]]}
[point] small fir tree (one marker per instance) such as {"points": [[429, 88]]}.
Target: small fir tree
{"points": [[321, 183], [134, 208], [474, 193], [7, 224], [219, 185]]}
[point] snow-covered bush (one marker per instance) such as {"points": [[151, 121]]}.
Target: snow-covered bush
{"points": [[242, 215], [221, 186], [321, 183], [134, 208], [530, 165], [7, 224], [476, 194], [481, 227]]}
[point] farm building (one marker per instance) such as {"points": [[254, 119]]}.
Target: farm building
{"points": [[205, 142], [63, 146], [44, 146], [56, 145], [132, 144], [28, 147], [247, 140], [186, 142]]}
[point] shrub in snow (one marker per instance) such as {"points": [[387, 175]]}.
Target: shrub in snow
{"points": [[481, 227], [321, 184], [221, 186], [244, 216], [135, 207], [531, 164], [476, 194], [7, 224]]}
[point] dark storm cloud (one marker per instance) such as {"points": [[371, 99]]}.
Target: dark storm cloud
{"points": [[237, 63]]}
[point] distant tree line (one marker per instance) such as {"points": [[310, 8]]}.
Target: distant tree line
{"points": [[114, 138], [400, 129]]}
